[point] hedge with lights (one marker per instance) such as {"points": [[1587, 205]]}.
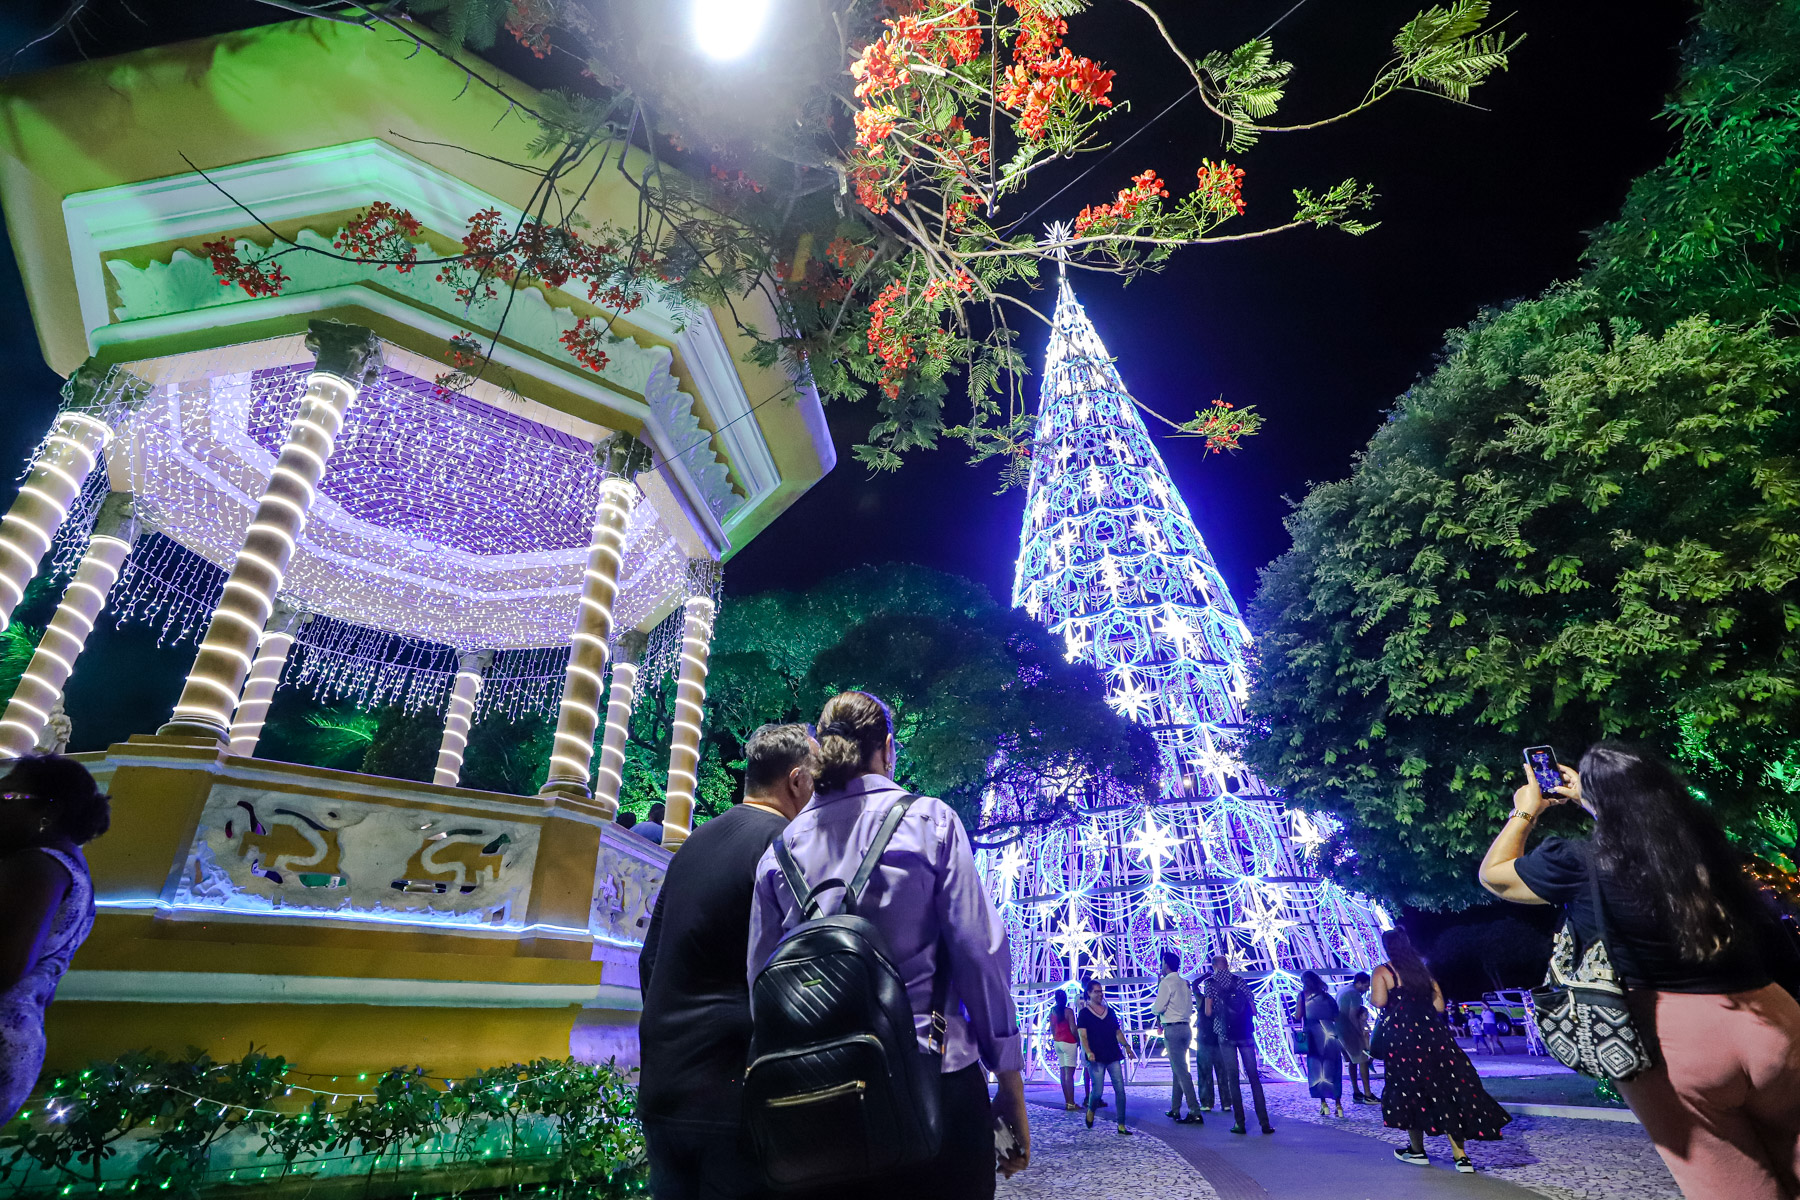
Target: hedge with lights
{"points": [[190, 1126]]}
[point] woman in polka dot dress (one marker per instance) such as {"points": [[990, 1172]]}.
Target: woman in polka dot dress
{"points": [[1431, 1086]]}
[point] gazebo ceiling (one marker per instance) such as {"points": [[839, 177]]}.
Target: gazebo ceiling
{"points": [[453, 518]]}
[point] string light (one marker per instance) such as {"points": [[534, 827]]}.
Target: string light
{"points": [[461, 715], [690, 706], [1110, 559]]}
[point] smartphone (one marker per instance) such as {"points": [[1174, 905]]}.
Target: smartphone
{"points": [[1006, 1142], [1542, 762]]}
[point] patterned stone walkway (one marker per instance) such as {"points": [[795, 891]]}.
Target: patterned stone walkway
{"points": [[1328, 1159]]}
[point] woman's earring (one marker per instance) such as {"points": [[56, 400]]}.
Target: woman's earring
{"points": [[43, 826]]}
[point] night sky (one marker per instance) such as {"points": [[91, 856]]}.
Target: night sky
{"points": [[1319, 330]]}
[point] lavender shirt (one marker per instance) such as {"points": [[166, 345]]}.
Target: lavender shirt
{"points": [[925, 883]]}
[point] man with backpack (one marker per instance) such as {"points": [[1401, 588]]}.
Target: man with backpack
{"points": [[1231, 1006], [695, 1027]]}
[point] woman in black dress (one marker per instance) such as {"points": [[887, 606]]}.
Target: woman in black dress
{"points": [[1431, 1086]]}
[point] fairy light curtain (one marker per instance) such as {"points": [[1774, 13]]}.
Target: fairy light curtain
{"points": [[1111, 561], [444, 523]]}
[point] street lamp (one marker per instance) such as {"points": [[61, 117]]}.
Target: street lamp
{"points": [[727, 29]]}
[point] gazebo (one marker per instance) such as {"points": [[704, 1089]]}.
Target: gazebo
{"points": [[289, 481]]}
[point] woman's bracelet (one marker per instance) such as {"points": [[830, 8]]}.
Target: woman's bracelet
{"points": [[1519, 812]]}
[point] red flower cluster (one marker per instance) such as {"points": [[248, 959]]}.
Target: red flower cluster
{"points": [[382, 235], [583, 343], [882, 66], [1124, 209], [1222, 428], [1033, 89], [464, 352], [846, 254], [260, 278], [896, 349], [1040, 32], [945, 288], [1221, 187], [529, 22], [740, 179], [875, 125]]}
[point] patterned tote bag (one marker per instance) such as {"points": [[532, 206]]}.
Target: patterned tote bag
{"points": [[1580, 1008]]}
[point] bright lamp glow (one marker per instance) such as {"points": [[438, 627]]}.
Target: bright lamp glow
{"points": [[727, 29]]}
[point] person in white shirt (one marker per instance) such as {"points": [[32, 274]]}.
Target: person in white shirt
{"points": [[1174, 1007]]}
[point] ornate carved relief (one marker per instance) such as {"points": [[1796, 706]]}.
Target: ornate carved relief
{"points": [[258, 850], [627, 880]]}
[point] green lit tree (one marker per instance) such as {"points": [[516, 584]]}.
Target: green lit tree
{"points": [[1580, 524]]}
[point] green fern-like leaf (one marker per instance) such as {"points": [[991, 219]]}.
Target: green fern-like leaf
{"points": [[1447, 51], [1249, 83]]}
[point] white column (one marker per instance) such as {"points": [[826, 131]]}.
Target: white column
{"points": [[470, 667], [609, 776], [348, 356], [51, 485], [572, 753], [265, 676], [690, 712], [41, 686]]}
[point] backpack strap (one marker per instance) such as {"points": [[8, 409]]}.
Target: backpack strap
{"points": [[878, 847], [806, 897], [940, 992]]}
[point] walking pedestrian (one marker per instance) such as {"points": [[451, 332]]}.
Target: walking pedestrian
{"points": [[49, 808], [1174, 1008], [924, 892], [1068, 1046], [1431, 1087], [1324, 1052], [1232, 1009], [1490, 1031], [1705, 972], [695, 1029], [1353, 1037], [1104, 1050]]}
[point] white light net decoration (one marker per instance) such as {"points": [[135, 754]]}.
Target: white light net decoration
{"points": [[1110, 559], [444, 522]]}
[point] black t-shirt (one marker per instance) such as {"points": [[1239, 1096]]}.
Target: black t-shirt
{"points": [[695, 1027], [1642, 951], [1103, 1034]]}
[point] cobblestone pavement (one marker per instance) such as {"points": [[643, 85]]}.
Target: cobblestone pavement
{"points": [[1561, 1158], [1070, 1160]]}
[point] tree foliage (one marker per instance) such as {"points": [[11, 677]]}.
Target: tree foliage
{"points": [[1585, 522], [867, 170]]}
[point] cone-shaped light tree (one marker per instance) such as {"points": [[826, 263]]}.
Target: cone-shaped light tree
{"points": [[1110, 559]]}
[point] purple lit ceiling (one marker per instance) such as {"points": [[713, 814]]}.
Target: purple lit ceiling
{"points": [[443, 469]]}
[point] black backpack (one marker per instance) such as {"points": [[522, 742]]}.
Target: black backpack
{"points": [[837, 1088], [1240, 1013]]}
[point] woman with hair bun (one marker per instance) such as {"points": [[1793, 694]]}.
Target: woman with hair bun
{"points": [[49, 807], [925, 891]]}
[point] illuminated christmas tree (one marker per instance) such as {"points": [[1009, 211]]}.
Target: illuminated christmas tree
{"points": [[1110, 559]]}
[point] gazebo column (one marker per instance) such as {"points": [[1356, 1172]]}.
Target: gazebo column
{"points": [[609, 776], [265, 676], [470, 667], [51, 484], [690, 713], [41, 686], [572, 753], [348, 355]]}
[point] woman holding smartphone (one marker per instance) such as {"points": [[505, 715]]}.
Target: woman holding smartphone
{"points": [[1701, 961]]}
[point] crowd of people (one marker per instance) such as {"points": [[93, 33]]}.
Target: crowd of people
{"points": [[828, 1006]]}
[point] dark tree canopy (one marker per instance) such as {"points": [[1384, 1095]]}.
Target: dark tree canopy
{"points": [[1582, 523]]}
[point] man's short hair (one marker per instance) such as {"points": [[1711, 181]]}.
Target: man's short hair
{"points": [[1171, 961], [773, 751], [655, 812], [1362, 977]]}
